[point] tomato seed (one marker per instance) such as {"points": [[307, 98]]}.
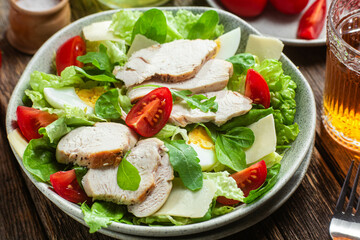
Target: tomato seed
{"points": [[254, 176], [160, 111], [157, 115], [248, 180]]}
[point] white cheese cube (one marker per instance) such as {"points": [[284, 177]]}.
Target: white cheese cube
{"points": [[265, 139], [264, 47]]}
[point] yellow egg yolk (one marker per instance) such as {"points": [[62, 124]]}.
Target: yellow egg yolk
{"points": [[218, 43], [90, 96], [200, 137]]}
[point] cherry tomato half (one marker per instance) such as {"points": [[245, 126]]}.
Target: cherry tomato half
{"points": [[66, 185], [31, 119], [150, 113], [245, 8], [289, 6], [248, 179], [68, 52], [256, 88]]}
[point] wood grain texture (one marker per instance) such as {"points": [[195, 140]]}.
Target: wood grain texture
{"points": [[26, 214]]}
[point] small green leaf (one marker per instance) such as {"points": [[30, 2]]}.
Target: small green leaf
{"points": [[184, 160], [205, 26], [152, 24], [128, 177], [98, 77]]}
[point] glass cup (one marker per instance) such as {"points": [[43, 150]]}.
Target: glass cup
{"points": [[341, 107]]}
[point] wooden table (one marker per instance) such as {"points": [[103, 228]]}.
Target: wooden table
{"points": [[26, 214]]}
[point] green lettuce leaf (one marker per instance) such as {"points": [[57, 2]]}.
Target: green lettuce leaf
{"points": [[229, 147], [101, 214], [241, 63], [108, 106], [123, 23], [172, 132], [184, 160], [128, 177], [197, 101], [282, 93], [204, 27], [69, 77], [271, 179], [152, 24], [225, 186], [39, 159]]}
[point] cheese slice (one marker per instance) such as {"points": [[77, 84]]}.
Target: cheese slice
{"points": [[140, 42], [264, 47], [265, 139], [99, 31], [18, 142], [183, 202]]}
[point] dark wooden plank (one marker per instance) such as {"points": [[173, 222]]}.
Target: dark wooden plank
{"points": [[18, 216]]}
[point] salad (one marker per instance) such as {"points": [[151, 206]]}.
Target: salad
{"points": [[153, 119]]}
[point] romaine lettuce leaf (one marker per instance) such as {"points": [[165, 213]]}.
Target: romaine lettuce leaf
{"points": [[39, 159], [123, 23], [101, 214], [225, 186], [282, 93]]}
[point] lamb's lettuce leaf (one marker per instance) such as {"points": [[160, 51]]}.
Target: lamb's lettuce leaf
{"points": [[204, 27], [152, 24]]}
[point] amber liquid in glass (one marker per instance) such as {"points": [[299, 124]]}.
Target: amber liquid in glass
{"points": [[342, 88]]}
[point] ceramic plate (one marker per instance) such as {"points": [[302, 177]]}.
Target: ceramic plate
{"points": [[305, 117], [264, 211], [276, 24]]}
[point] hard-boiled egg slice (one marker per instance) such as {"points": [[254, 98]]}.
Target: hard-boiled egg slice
{"points": [[228, 44], [59, 98], [204, 147]]}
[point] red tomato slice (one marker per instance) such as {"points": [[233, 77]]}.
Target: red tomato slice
{"points": [[31, 119], [150, 113], [66, 185], [68, 52], [248, 179], [289, 6], [313, 20], [245, 8], [256, 88]]}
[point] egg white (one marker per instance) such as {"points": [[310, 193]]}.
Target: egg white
{"points": [[207, 157], [229, 44], [59, 98]]}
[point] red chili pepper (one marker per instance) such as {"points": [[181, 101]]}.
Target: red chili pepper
{"points": [[312, 22]]}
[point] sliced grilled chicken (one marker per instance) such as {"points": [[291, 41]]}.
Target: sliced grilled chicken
{"points": [[150, 158], [213, 76], [103, 144], [159, 194], [169, 62], [230, 104]]}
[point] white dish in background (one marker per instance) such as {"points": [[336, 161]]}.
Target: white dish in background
{"points": [[294, 157], [276, 24]]}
